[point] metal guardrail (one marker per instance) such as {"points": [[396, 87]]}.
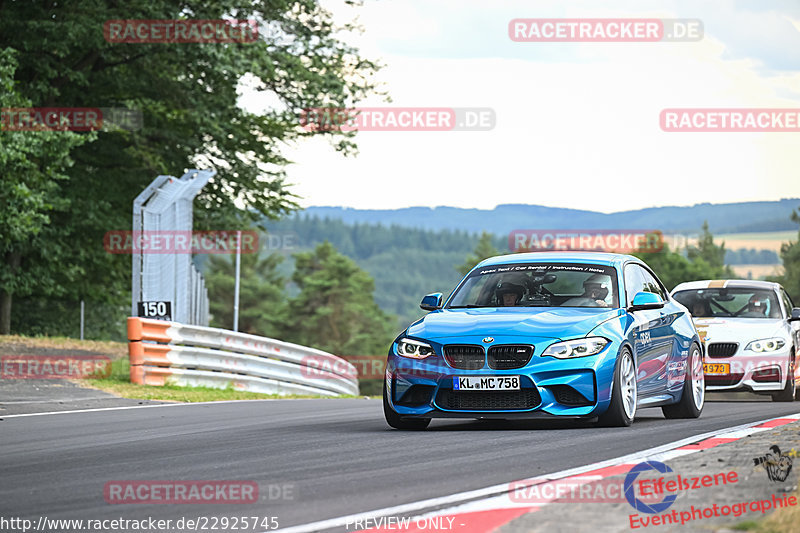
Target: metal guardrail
{"points": [[171, 353]]}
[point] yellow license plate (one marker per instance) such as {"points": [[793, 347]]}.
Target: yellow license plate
{"points": [[717, 368]]}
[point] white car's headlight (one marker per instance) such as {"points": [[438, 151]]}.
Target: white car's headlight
{"points": [[766, 345], [413, 349], [576, 348]]}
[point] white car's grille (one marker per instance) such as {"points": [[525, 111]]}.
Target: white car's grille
{"points": [[722, 349]]}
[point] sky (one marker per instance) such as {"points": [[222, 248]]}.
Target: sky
{"points": [[577, 124]]}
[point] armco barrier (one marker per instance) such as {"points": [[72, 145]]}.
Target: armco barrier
{"points": [[168, 352]]}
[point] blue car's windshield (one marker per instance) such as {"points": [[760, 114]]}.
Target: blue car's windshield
{"points": [[538, 285]]}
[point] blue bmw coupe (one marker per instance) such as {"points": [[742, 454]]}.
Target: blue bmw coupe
{"points": [[546, 335]]}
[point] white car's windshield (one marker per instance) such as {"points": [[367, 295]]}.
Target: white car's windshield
{"points": [[725, 302], [539, 285]]}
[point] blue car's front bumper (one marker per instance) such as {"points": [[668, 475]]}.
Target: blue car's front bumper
{"points": [[579, 387]]}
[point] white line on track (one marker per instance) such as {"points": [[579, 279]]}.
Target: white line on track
{"points": [[462, 498], [127, 407]]}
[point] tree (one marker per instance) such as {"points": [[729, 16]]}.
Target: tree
{"points": [[484, 249], [262, 298], [188, 95], [674, 268], [33, 165], [790, 256], [335, 310], [712, 254]]}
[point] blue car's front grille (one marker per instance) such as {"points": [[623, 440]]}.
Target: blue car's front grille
{"points": [[508, 356], [465, 356], [488, 400]]}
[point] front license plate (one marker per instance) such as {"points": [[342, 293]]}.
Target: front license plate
{"points": [[486, 382], [717, 368]]}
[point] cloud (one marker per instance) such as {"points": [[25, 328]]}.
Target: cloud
{"points": [[580, 131]]}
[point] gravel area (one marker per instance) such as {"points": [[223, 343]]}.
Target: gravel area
{"points": [[751, 484]]}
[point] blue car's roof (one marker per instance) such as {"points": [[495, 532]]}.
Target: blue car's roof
{"points": [[599, 258]]}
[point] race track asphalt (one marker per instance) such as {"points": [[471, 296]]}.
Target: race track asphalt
{"points": [[312, 459]]}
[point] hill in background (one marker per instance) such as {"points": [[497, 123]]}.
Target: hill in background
{"points": [[722, 218], [407, 263]]}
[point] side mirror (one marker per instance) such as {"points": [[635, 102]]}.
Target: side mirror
{"points": [[646, 300], [432, 302], [795, 314]]}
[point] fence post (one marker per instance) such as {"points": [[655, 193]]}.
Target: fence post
{"points": [[236, 287]]}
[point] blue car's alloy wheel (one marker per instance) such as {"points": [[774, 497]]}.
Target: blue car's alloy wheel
{"points": [[694, 389], [624, 393], [628, 389]]}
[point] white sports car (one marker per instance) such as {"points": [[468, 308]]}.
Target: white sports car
{"points": [[751, 334]]}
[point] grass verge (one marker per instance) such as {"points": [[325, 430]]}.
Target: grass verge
{"points": [[114, 350]]}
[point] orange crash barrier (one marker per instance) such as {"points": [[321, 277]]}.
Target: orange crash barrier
{"points": [[141, 353]]}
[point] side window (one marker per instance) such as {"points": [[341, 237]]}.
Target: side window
{"points": [[651, 284], [787, 303], [634, 282]]}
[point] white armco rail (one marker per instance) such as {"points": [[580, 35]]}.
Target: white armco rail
{"points": [[171, 353]]}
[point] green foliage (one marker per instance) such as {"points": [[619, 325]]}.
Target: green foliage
{"points": [[262, 299], [483, 250], [745, 256], [54, 213], [34, 165], [712, 254], [406, 263], [335, 310], [57, 317], [704, 261], [790, 255]]}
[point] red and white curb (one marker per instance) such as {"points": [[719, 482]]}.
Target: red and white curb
{"points": [[487, 509]]}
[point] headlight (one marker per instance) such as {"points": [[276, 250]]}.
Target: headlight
{"points": [[766, 345], [413, 349], [576, 348]]}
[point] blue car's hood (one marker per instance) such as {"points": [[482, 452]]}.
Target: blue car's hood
{"points": [[551, 322]]}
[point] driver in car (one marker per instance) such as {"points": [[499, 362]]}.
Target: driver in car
{"points": [[510, 294], [755, 308]]}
